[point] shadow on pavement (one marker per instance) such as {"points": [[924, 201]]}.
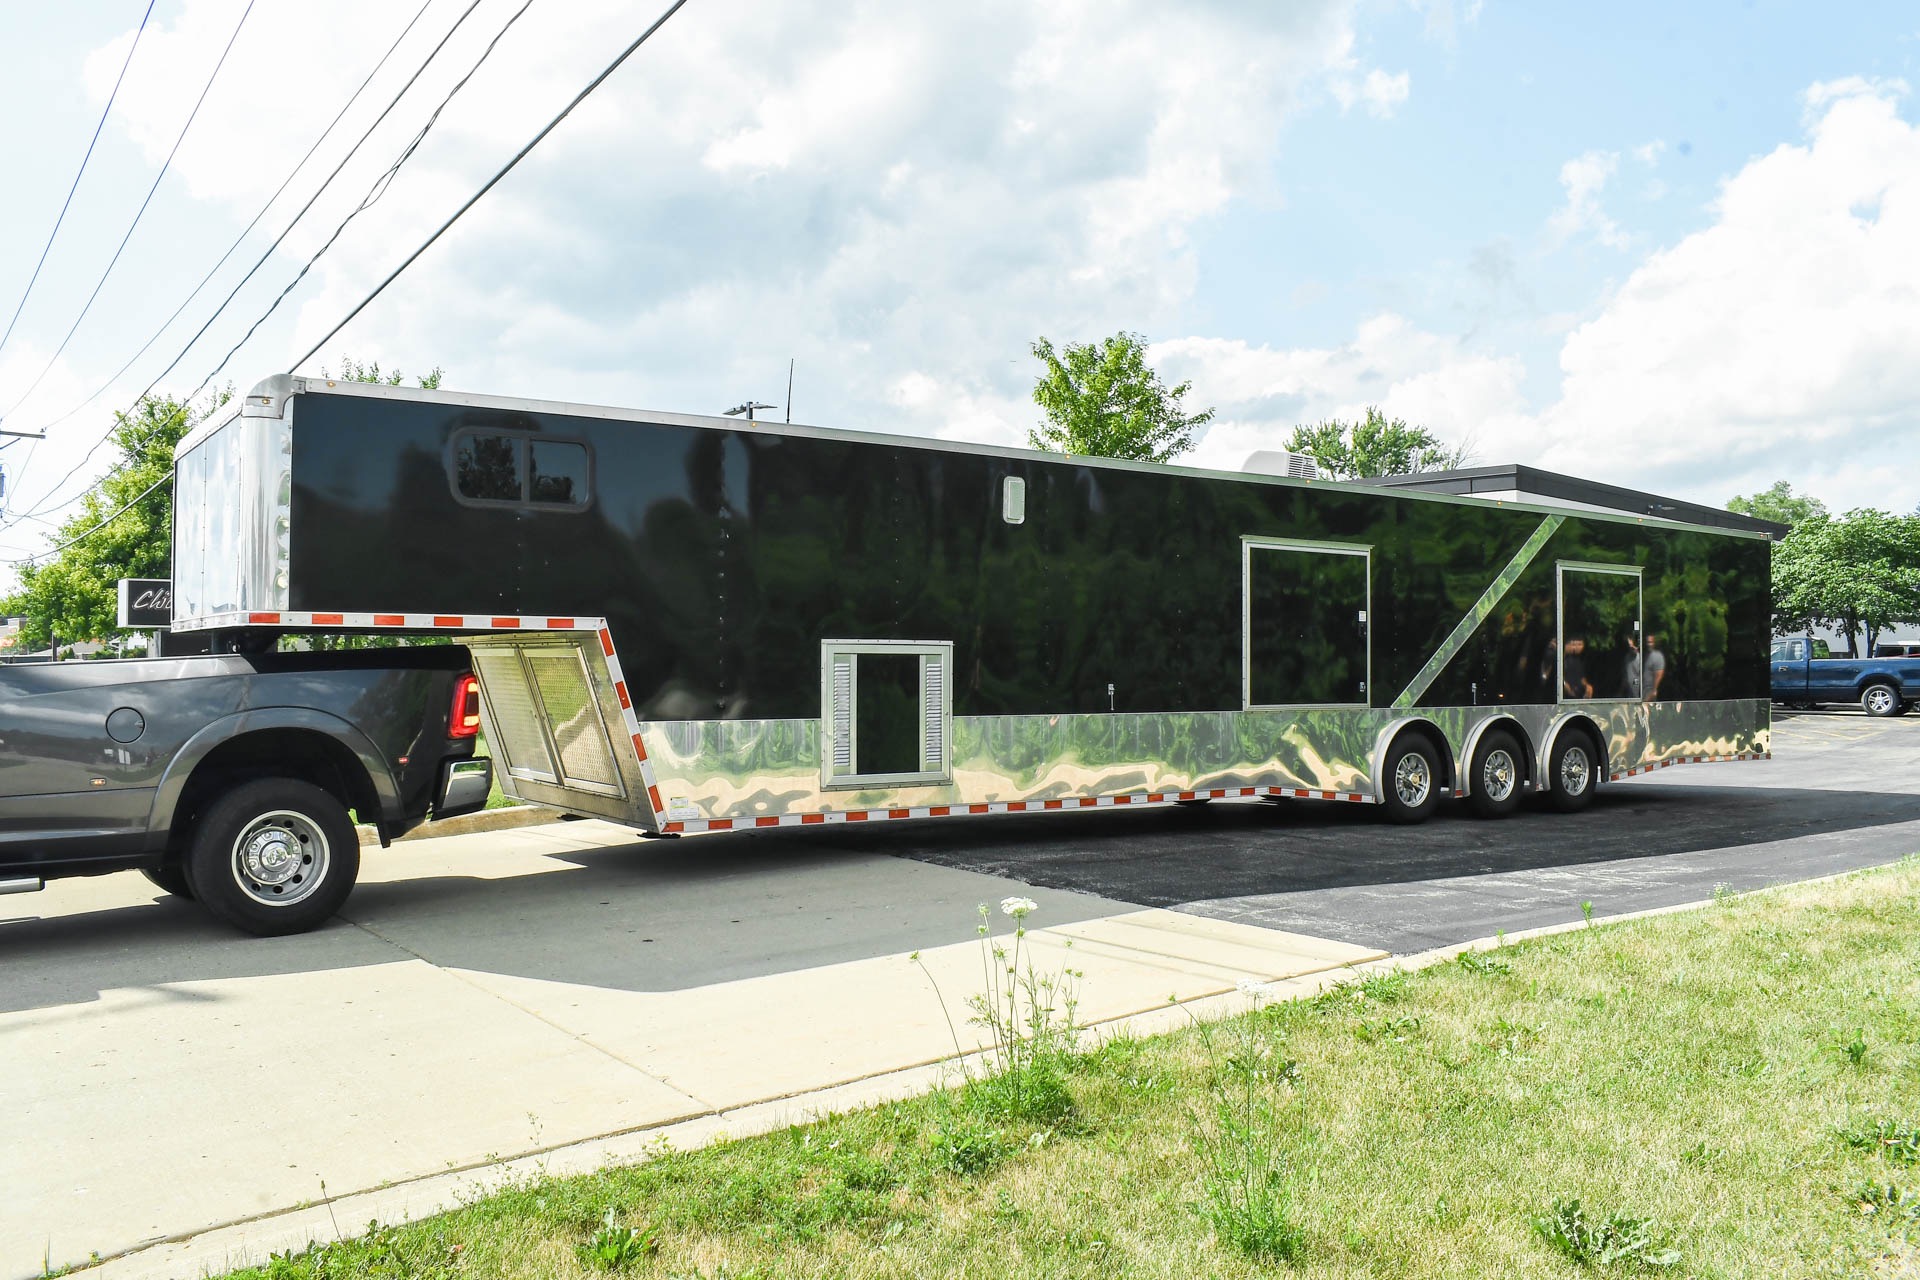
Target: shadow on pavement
{"points": [[667, 915]]}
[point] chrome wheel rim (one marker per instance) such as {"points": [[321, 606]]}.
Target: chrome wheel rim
{"points": [[1499, 774], [1879, 700], [1412, 780], [280, 858], [1575, 771]]}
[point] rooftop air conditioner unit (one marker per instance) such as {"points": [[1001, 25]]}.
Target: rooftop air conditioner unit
{"points": [[1280, 462]]}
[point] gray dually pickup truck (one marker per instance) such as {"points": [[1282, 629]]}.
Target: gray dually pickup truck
{"points": [[234, 779]]}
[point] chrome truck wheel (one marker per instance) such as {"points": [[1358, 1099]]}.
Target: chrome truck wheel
{"points": [[1411, 776], [1572, 770], [1497, 775], [274, 856]]}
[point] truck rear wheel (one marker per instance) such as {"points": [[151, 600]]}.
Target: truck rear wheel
{"points": [[1497, 775], [274, 856], [1880, 700], [1573, 771]]}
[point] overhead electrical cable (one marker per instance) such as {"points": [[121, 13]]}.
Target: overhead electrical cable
{"points": [[503, 172], [248, 230], [104, 113], [522, 154], [251, 271], [138, 214]]}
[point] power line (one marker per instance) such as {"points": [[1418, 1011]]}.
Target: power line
{"points": [[141, 212], [248, 230], [539, 137], [104, 521], [251, 271], [104, 113], [536, 140]]}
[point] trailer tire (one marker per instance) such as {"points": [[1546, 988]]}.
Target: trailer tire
{"points": [[1573, 771], [1497, 775], [170, 877], [1880, 699], [1410, 783], [274, 856]]}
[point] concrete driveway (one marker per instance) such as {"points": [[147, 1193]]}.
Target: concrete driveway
{"points": [[488, 996]]}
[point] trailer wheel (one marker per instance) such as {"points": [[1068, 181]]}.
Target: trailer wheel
{"points": [[274, 856], [1573, 771], [1497, 775], [1880, 700], [170, 877], [1410, 784]]}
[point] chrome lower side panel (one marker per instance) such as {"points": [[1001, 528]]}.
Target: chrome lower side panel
{"points": [[766, 768]]}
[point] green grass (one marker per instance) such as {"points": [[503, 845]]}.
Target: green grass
{"points": [[1731, 1092], [496, 798]]}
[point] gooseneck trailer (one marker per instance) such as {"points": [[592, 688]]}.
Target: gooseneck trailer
{"points": [[689, 623]]}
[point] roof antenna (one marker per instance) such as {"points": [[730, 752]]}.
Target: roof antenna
{"points": [[789, 390]]}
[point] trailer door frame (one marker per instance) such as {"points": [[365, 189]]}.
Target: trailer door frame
{"points": [[840, 713], [1249, 545], [1562, 569]]}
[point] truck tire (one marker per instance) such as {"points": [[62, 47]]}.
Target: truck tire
{"points": [[1573, 771], [170, 877], [1410, 784], [1497, 775], [1879, 699], [274, 856]]}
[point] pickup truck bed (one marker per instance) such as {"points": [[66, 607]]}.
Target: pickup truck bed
{"points": [[232, 778]]}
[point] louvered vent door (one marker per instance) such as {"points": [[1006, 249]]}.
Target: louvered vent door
{"points": [[886, 713]]}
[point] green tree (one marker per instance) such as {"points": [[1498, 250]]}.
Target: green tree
{"points": [[72, 592], [1779, 504], [1859, 571], [1103, 400], [352, 370], [1375, 446]]}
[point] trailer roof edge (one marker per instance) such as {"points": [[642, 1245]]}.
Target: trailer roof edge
{"points": [[278, 390]]}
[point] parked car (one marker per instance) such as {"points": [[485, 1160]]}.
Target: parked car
{"points": [[233, 779], [1803, 675]]}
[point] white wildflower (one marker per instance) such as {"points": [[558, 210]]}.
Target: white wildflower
{"points": [[1018, 908], [1254, 989]]}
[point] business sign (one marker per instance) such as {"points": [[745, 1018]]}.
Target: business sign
{"points": [[146, 604]]}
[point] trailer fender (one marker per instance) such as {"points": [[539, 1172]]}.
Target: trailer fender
{"points": [[1544, 747], [166, 797], [1393, 729], [1463, 767]]}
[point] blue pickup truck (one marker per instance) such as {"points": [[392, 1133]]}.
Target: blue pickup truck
{"points": [[1803, 675]]}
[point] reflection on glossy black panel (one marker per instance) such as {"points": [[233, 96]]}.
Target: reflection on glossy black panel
{"points": [[487, 468], [722, 558], [886, 733], [1599, 635], [1306, 628], [557, 473]]}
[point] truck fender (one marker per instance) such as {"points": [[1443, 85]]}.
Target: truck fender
{"points": [[1544, 747], [166, 797], [1384, 742]]}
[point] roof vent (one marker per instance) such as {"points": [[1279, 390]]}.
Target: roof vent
{"points": [[1280, 462]]}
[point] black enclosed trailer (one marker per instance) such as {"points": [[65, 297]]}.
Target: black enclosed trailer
{"points": [[690, 623]]}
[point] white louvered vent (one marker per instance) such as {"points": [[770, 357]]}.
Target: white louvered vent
{"points": [[842, 750], [933, 708]]}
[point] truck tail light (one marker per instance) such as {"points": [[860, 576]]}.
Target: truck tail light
{"points": [[465, 720]]}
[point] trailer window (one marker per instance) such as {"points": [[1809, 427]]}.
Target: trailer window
{"points": [[487, 468], [1598, 655], [886, 711], [1306, 625], [512, 469]]}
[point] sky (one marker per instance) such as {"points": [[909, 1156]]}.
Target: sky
{"points": [[1671, 247]]}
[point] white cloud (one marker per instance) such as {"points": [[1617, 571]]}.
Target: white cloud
{"points": [[1381, 94], [1584, 178], [1649, 153], [1775, 342]]}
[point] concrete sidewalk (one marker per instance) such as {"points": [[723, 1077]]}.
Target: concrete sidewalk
{"points": [[494, 995]]}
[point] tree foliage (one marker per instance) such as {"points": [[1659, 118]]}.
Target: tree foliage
{"points": [[1103, 400], [1779, 504], [73, 592], [1852, 572], [1375, 446], [352, 370]]}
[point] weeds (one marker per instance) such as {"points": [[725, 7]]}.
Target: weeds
{"points": [[1885, 1200], [1243, 1170], [616, 1246], [1614, 1241], [1855, 1049], [1482, 962], [1896, 1144]]}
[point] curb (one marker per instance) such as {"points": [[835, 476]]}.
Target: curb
{"points": [[519, 815], [243, 1242]]}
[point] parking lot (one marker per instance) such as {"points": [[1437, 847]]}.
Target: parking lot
{"points": [[487, 996]]}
